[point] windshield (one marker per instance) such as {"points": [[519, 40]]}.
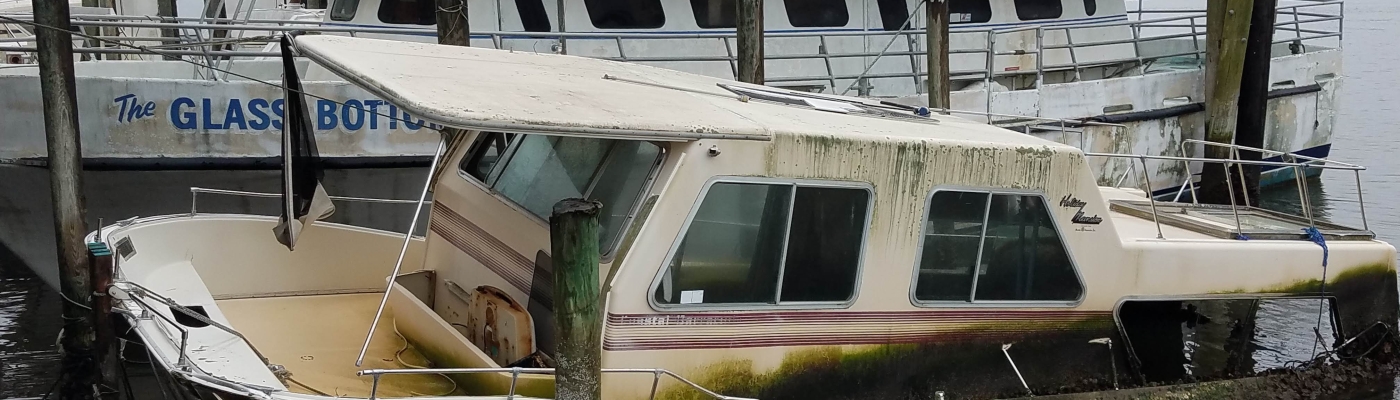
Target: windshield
{"points": [[536, 171]]}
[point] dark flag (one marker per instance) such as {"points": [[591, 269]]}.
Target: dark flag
{"points": [[304, 201]]}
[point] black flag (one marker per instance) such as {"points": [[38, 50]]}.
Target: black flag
{"points": [[303, 199]]}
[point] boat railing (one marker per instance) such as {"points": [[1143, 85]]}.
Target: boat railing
{"points": [[1065, 48], [1234, 175], [195, 191], [515, 374]]}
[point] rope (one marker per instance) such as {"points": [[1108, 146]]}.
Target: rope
{"points": [[1315, 236], [398, 359]]}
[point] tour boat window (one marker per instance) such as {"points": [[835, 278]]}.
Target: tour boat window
{"points": [[969, 11], [532, 15], [980, 246], [344, 10], [1091, 7], [714, 13], [415, 12], [817, 13], [625, 14], [769, 243], [535, 171], [893, 14], [1028, 10]]}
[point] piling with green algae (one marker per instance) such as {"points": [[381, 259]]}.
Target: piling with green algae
{"points": [[573, 234]]}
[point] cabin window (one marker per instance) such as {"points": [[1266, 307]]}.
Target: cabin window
{"points": [[969, 11], [981, 246], [714, 13], [1028, 10], [1091, 7], [344, 10], [769, 243], [893, 14], [625, 14], [817, 13], [532, 15], [414, 12], [535, 171]]}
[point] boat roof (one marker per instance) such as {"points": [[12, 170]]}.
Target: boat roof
{"points": [[500, 90]]}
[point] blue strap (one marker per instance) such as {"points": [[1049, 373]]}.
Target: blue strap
{"points": [[1316, 237]]}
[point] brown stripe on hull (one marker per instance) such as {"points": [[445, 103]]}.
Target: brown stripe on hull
{"points": [[828, 328], [481, 246]]}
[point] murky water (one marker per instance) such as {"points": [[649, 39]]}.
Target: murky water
{"points": [[1368, 118]]}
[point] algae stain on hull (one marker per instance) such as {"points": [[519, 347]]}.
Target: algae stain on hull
{"points": [[903, 170]]}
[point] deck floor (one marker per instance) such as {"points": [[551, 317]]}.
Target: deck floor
{"points": [[317, 339]]}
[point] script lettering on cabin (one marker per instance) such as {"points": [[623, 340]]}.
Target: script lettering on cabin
{"points": [[254, 115], [1069, 201]]}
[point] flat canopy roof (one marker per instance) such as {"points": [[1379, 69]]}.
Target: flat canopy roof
{"points": [[501, 90]]}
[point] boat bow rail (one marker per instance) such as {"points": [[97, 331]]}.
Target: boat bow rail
{"points": [[1215, 219]]}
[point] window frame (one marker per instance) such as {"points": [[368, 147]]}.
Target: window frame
{"points": [[779, 305], [334, 15], [610, 252], [923, 232]]}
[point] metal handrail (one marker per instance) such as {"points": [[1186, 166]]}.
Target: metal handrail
{"points": [[516, 372], [184, 333], [1235, 161], [195, 191], [1311, 14]]}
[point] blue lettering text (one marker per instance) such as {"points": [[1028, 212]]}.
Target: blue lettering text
{"points": [[180, 118], [259, 120]]}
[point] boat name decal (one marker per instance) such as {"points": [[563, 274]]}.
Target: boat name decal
{"points": [[1069, 201], [259, 114]]}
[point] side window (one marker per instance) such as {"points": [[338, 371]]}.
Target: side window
{"points": [[1028, 10], [533, 16], [893, 13], [625, 14], [1091, 7], [414, 12], [817, 13], [969, 11], [536, 171], [344, 10], [769, 243], [980, 246], [714, 13]]}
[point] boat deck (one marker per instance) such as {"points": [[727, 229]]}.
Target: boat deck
{"points": [[318, 337]]}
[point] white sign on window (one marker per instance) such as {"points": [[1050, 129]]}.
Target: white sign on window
{"points": [[692, 296]]}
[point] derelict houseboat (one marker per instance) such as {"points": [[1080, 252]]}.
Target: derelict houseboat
{"points": [[1135, 66], [757, 242]]}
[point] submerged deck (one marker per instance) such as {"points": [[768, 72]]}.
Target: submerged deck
{"points": [[318, 337]]}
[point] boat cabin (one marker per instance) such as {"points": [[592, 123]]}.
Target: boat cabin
{"points": [[758, 242]]}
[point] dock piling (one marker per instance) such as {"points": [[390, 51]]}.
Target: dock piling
{"points": [[56, 82], [748, 28], [936, 31], [573, 234], [452, 25], [1254, 95], [1227, 28]]}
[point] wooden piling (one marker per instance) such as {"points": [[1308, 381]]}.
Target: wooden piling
{"points": [[104, 349], [452, 25], [56, 84], [748, 28], [936, 31], [1227, 27], [1254, 95], [167, 9], [573, 234]]}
